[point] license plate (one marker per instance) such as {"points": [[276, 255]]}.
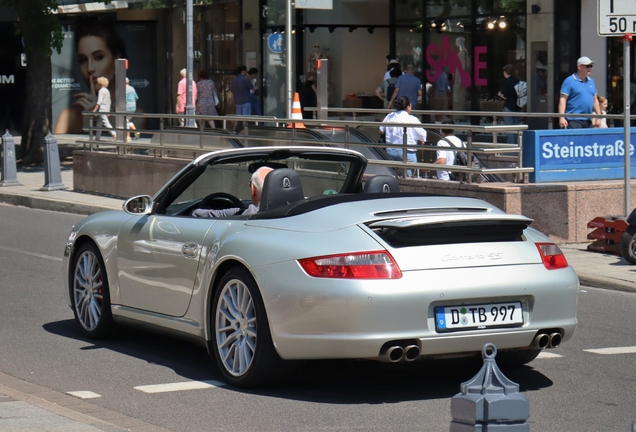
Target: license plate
{"points": [[481, 316]]}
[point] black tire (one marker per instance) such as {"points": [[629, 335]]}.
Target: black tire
{"points": [[90, 295], [241, 340], [628, 244], [518, 357]]}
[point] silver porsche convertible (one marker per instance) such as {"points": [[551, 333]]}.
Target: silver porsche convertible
{"points": [[336, 264]]}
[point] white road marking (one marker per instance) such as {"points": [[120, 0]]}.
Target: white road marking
{"points": [[189, 385], [546, 355], [614, 350], [48, 257], [84, 394]]}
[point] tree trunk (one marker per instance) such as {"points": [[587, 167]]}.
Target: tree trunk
{"points": [[37, 112]]}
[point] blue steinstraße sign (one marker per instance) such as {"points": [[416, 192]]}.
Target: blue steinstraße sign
{"points": [[276, 42], [577, 154]]}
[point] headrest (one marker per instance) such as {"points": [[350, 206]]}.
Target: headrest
{"points": [[282, 186], [381, 184]]}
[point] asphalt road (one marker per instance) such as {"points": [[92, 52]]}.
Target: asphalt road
{"points": [[571, 390]]}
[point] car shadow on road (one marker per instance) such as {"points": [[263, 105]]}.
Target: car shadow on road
{"points": [[323, 381]]}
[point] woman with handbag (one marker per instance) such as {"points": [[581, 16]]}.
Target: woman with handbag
{"points": [[208, 99]]}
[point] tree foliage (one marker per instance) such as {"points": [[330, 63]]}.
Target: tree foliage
{"points": [[41, 33], [38, 25]]}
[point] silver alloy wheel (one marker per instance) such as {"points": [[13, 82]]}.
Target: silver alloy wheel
{"points": [[235, 328], [88, 290]]}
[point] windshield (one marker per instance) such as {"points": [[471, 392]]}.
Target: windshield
{"points": [[318, 177]]}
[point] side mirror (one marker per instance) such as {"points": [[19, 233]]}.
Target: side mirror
{"points": [[141, 204]]}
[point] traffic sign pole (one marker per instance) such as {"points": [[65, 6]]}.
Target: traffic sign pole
{"points": [[288, 58], [618, 18], [626, 48]]}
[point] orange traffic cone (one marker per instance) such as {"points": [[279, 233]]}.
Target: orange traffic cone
{"points": [[296, 113]]}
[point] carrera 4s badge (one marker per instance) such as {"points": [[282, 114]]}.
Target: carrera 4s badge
{"points": [[493, 256]]}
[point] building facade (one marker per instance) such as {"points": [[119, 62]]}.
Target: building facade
{"points": [[458, 48]]}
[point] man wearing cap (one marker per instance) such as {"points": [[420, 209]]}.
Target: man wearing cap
{"points": [[393, 64], [578, 96]]}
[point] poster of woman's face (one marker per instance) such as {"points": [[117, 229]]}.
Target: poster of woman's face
{"points": [[95, 59], [90, 50]]}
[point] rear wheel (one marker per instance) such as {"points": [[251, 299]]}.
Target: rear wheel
{"points": [[628, 244], [518, 357], [90, 295], [242, 342]]}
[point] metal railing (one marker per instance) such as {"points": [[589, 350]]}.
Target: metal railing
{"points": [[162, 149], [495, 115]]}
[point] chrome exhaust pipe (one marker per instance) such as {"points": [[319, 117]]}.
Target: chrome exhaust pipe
{"points": [[394, 354], [411, 353], [555, 340], [542, 340]]}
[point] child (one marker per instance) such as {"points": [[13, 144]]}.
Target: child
{"points": [[602, 101]]}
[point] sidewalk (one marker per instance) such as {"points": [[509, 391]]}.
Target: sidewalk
{"points": [[28, 407]]}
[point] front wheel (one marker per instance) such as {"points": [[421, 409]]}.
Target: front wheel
{"points": [[242, 342], [628, 244], [90, 295]]}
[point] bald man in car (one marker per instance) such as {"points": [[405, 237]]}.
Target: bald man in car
{"points": [[256, 188]]}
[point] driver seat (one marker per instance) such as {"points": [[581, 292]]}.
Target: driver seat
{"points": [[281, 187]]}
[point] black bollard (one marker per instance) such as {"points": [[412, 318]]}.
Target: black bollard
{"points": [[9, 177], [52, 171], [489, 401]]}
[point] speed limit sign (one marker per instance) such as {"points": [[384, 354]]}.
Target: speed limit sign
{"points": [[616, 17]]}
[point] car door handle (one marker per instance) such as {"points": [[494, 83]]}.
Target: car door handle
{"points": [[190, 250]]}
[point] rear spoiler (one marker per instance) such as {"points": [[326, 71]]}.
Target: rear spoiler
{"points": [[450, 220]]}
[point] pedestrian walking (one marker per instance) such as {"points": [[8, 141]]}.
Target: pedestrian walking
{"points": [[131, 107], [182, 89], [387, 87], [207, 97], [393, 64], [395, 134], [255, 105], [447, 157], [408, 85], [602, 101], [578, 96], [509, 96], [242, 90], [103, 106], [308, 95]]}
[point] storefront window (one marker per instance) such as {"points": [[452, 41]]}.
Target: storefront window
{"points": [[500, 6], [216, 34], [462, 49]]}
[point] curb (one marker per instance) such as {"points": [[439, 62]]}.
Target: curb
{"points": [[592, 280], [62, 405], [52, 204]]}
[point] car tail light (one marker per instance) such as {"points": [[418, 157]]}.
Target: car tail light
{"points": [[552, 256], [359, 265]]}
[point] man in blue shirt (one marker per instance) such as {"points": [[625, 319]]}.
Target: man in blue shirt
{"points": [[578, 96], [407, 85], [242, 90]]}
